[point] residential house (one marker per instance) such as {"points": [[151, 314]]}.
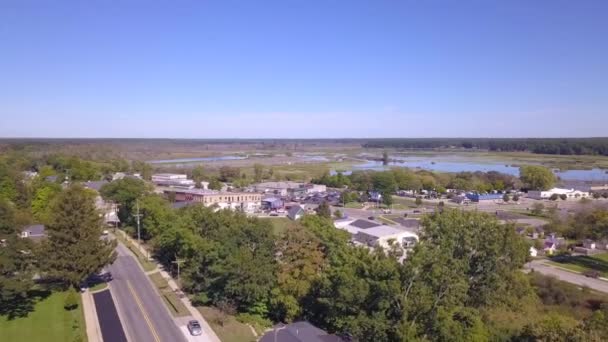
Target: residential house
{"points": [[295, 212], [299, 332]]}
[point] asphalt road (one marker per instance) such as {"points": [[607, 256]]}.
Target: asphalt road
{"points": [[578, 279], [109, 322], [141, 309]]}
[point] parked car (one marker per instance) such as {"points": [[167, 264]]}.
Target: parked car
{"points": [[195, 328]]}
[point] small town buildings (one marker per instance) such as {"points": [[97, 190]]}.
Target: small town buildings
{"points": [[173, 180], [34, 232], [123, 175], [570, 193], [244, 201], [295, 212], [299, 332], [277, 188]]}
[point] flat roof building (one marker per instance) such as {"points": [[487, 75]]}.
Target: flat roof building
{"points": [[174, 180], [245, 201]]}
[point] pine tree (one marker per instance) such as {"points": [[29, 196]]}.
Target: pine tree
{"points": [[74, 249]]}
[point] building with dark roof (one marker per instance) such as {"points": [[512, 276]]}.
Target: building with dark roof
{"points": [[295, 212], [34, 232], [364, 224], [95, 185], [299, 332]]}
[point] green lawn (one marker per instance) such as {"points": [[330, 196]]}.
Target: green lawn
{"points": [[227, 328], [175, 305], [582, 263], [98, 287], [354, 205], [49, 322]]}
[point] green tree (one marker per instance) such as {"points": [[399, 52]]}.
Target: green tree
{"points": [[505, 198], [124, 192], [42, 200], [538, 209], [554, 197], [71, 301], [16, 265], [563, 197], [385, 158], [198, 175], [323, 210], [300, 263], [258, 172], [74, 250], [515, 198], [536, 177], [418, 201], [229, 173], [464, 261], [338, 214], [215, 184]]}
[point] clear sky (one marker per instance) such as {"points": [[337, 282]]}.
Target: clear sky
{"points": [[303, 69]]}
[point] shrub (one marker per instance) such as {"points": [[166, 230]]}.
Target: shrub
{"points": [[554, 197], [596, 195], [71, 301], [515, 198], [563, 197]]}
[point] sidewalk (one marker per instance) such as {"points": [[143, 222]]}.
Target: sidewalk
{"points": [[90, 317], [207, 331]]}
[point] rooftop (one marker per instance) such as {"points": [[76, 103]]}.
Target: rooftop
{"points": [[364, 224], [383, 231]]}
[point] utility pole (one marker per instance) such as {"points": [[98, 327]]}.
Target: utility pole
{"points": [[178, 262], [138, 215]]}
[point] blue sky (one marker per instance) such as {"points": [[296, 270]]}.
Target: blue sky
{"points": [[303, 69]]}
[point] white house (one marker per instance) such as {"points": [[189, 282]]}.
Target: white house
{"points": [[570, 193]]}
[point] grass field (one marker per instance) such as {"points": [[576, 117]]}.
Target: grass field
{"points": [[227, 328], [98, 287], [583, 263], [279, 224], [49, 322], [175, 305]]}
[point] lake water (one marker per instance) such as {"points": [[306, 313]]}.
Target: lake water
{"points": [[193, 160], [459, 164]]}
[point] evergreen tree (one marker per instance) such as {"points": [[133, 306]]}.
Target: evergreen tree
{"points": [[74, 250]]}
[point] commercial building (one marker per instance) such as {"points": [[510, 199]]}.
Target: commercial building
{"points": [[475, 197], [288, 188], [244, 201], [570, 193], [173, 180], [372, 234]]}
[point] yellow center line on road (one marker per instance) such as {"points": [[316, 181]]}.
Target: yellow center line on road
{"points": [[143, 311]]}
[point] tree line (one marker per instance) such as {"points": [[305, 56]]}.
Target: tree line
{"points": [[565, 146]]}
